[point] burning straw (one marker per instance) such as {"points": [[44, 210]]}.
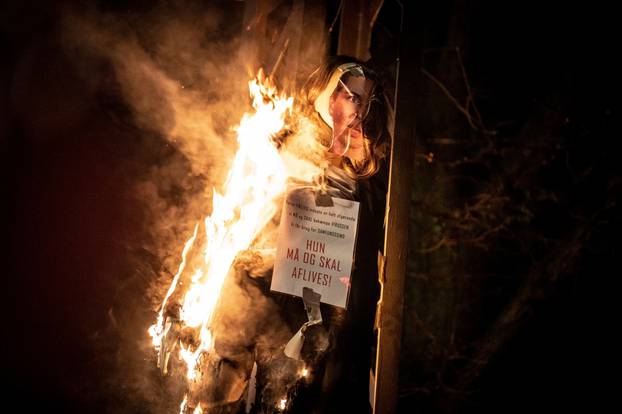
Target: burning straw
{"points": [[250, 199]]}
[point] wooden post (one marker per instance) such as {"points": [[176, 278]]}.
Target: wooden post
{"points": [[289, 52], [355, 28], [357, 20], [393, 268]]}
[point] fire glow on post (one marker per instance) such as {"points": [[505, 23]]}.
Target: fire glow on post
{"points": [[256, 179]]}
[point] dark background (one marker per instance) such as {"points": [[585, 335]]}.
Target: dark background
{"points": [[510, 301]]}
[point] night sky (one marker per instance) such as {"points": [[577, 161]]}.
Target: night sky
{"points": [[79, 236]]}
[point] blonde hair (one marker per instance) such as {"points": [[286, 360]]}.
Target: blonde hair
{"points": [[376, 125]]}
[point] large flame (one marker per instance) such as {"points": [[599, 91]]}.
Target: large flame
{"points": [[256, 179]]}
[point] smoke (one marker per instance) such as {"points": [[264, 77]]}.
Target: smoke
{"points": [[181, 71], [184, 79]]}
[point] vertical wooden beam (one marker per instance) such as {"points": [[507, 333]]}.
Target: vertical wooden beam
{"points": [[398, 204], [290, 51], [355, 28]]}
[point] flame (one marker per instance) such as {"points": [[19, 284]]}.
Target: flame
{"points": [[257, 177], [283, 404], [182, 406], [157, 331], [184, 403]]}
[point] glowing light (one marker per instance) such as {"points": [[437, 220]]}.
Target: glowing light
{"points": [[256, 179]]}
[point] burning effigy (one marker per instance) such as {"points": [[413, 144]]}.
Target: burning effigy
{"points": [[308, 161]]}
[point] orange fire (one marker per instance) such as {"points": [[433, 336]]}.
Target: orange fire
{"points": [[257, 178]]}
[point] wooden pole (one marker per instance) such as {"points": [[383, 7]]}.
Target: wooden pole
{"points": [[393, 268], [289, 52], [355, 29]]}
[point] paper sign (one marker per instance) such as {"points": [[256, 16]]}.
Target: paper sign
{"points": [[315, 247]]}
